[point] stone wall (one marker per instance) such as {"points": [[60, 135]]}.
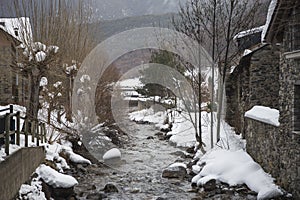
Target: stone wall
{"points": [[17, 169], [6, 57], [272, 81], [237, 86], [255, 81], [277, 152]]}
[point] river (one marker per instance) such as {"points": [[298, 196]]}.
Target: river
{"points": [[139, 174]]}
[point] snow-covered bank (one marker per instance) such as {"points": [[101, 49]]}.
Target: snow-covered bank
{"points": [[236, 168], [227, 162], [182, 133], [53, 177]]}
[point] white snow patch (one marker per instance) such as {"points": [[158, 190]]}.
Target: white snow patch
{"points": [[112, 154], [54, 178], [271, 10], [177, 164], [12, 148], [148, 115], [44, 81], [32, 191], [53, 48], [246, 52], [248, 32], [264, 114], [40, 56], [57, 84], [40, 46], [75, 158], [130, 83], [85, 78], [236, 167]]}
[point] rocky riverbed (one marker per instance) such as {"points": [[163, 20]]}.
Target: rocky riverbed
{"points": [[142, 174]]}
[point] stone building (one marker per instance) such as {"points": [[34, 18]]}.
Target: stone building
{"points": [[13, 84], [270, 76]]}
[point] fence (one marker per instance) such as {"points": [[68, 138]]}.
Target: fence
{"points": [[11, 133]]}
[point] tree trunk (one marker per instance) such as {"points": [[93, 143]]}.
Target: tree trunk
{"points": [[213, 77], [33, 104]]}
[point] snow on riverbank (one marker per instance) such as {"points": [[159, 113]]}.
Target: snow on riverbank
{"points": [[55, 154], [182, 133], [149, 116], [227, 162], [52, 177], [234, 168]]}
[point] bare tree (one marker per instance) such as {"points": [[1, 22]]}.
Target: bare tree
{"points": [[214, 23], [61, 23]]}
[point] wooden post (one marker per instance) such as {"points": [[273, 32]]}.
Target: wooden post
{"points": [[26, 132], [41, 133], [11, 108], [45, 132], [18, 127], [37, 134], [32, 131], [7, 132]]}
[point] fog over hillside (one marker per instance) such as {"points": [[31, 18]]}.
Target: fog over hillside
{"points": [[112, 9], [116, 9]]}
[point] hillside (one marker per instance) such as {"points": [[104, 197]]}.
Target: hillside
{"points": [[104, 29]]}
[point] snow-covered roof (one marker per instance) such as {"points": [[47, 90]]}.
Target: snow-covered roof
{"points": [[249, 32], [270, 14], [19, 28], [130, 83]]}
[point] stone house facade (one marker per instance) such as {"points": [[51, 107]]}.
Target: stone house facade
{"points": [[13, 84], [270, 76]]}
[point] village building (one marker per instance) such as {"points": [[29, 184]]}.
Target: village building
{"points": [[268, 79], [13, 83]]}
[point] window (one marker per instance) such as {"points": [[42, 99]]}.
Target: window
{"points": [[295, 29], [297, 108]]}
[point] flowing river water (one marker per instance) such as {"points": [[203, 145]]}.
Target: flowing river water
{"points": [[139, 174]]}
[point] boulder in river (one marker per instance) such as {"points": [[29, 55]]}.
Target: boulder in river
{"points": [[174, 172], [113, 153], [110, 188], [210, 185]]}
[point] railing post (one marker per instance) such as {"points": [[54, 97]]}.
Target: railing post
{"points": [[7, 132], [41, 132], [32, 131], [45, 132], [11, 108], [18, 127], [26, 131], [37, 134]]}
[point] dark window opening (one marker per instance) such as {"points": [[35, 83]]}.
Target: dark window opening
{"points": [[16, 32], [297, 108]]}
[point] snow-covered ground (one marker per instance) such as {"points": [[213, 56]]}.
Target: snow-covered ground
{"points": [[227, 161], [234, 168], [183, 128], [55, 178]]}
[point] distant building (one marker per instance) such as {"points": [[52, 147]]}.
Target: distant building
{"points": [[13, 85], [269, 76]]}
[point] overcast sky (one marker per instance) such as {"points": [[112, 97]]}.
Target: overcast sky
{"points": [[112, 9]]}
